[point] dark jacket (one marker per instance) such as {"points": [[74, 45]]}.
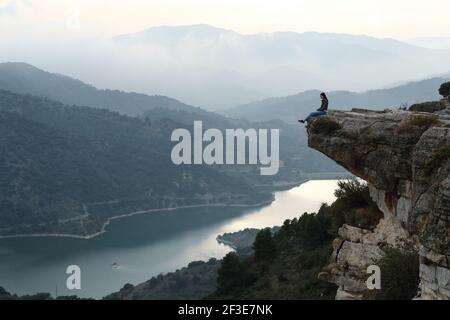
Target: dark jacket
{"points": [[324, 106]]}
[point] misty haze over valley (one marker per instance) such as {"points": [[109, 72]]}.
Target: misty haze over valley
{"points": [[218, 69]]}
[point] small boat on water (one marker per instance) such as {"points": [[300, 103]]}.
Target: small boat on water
{"points": [[115, 265]]}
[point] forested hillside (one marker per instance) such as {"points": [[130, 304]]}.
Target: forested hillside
{"points": [[68, 169]]}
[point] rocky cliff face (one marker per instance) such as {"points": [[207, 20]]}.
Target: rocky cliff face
{"points": [[405, 158]]}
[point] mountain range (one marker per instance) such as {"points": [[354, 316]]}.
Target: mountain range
{"points": [[67, 168], [237, 68], [217, 69], [431, 42], [74, 156], [24, 78], [297, 106]]}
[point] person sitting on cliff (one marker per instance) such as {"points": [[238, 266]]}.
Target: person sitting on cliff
{"points": [[320, 112]]}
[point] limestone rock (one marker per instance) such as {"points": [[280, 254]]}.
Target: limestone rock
{"points": [[400, 154], [345, 295]]}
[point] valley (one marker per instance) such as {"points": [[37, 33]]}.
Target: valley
{"points": [[144, 245], [64, 161]]}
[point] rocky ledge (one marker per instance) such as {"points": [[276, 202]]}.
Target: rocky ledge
{"points": [[405, 158]]}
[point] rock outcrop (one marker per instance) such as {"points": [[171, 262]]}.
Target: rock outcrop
{"points": [[405, 158]]}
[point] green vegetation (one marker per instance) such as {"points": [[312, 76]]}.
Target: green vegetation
{"points": [[399, 276], [22, 78], [195, 281], [324, 125], [264, 245], [417, 122], [58, 160], [353, 206], [234, 274], [5, 295], [431, 107], [441, 155], [242, 239], [298, 252], [289, 271], [444, 90], [423, 120]]}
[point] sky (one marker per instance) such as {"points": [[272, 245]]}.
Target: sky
{"points": [[76, 38], [401, 19]]}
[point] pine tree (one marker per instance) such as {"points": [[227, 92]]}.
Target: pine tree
{"points": [[229, 272], [444, 90], [264, 245]]}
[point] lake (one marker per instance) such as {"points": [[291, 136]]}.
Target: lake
{"points": [[144, 245]]}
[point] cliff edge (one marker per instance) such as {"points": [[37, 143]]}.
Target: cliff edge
{"points": [[405, 158]]}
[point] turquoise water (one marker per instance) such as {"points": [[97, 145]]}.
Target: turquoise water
{"points": [[143, 245]]}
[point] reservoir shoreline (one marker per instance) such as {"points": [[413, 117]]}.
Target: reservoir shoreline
{"points": [[146, 245], [274, 188], [105, 225]]}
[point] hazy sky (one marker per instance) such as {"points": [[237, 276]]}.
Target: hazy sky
{"points": [[382, 18]]}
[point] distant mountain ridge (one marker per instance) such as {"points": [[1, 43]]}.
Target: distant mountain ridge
{"points": [[298, 106], [215, 68], [431, 42], [172, 34], [24, 78], [230, 67]]}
